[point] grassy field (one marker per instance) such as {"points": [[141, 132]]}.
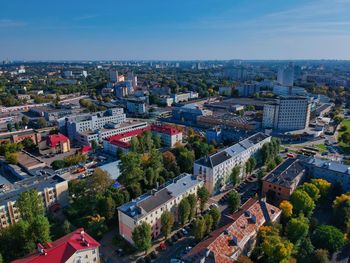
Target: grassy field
{"points": [[321, 147], [344, 146]]}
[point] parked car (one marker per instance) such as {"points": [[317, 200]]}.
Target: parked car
{"points": [[162, 247], [184, 231]]}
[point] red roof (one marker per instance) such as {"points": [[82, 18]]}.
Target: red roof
{"points": [[55, 139], [86, 148], [62, 249], [167, 129], [120, 136]]}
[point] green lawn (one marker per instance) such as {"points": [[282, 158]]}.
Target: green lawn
{"points": [[344, 146], [321, 147]]}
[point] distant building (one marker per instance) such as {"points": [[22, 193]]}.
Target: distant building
{"points": [[166, 100], [169, 135], [288, 90], [285, 75], [236, 238], [74, 247], [287, 114], [225, 91], [113, 75], [150, 206], [215, 170], [281, 182], [189, 112], [50, 113], [136, 106], [248, 89]]}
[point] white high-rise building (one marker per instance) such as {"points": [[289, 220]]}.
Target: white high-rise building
{"points": [[113, 75], [285, 75], [287, 114]]}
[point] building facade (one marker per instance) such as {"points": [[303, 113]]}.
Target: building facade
{"points": [[215, 170], [150, 206], [287, 114]]}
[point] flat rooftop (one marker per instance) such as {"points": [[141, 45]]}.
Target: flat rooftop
{"points": [[285, 173]]}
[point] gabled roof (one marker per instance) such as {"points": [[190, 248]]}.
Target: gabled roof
{"points": [[55, 139], [232, 238], [60, 250], [167, 129]]}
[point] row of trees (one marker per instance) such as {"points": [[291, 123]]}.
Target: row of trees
{"points": [[68, 161]]}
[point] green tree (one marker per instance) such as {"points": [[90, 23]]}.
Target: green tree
{"points": [[321, 256], [235, 179], [216, 215], [184, 211], [30, 205], [58, 164], [66, 227], [302, 202], [192, 200], [94, 144], [322, 185], [199, 228], [28, 143], [297, 228], [287, 209], [277, 249], [186, 160], [100, 181], [42, 122], [25, 120], [234, 201], [107, 208], [208, 223], [130, 168], [142, 236], [11, 158], [305, 251], [167, 220], [328, 237], [311, 190], [40, 229], [203, 196]]}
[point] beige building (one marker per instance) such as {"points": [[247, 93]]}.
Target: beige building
{"points": [[54, 192], [150, 207]]}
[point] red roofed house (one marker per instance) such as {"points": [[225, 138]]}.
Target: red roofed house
{"points": [[168, 134], [75, 247], [121, 141], [238, 237], [58, 143]]}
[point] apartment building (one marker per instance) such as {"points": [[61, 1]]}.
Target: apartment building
{"points": [[150, 206], [287, 114], [75, 247], [52, 189], [237, 237], [215, 170], [169, 135], [281, 182]]}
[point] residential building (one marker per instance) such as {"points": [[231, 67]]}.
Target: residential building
{"points": [[181, 97], [236, 238], [77, 73], [150, 206], [287, 114], [248, 89], [225, 91], [168, 134], [282, 181], [285, 75], [136, 106], [328, 170], [58, 143], [215, 170], [288, 90], [52, 189], [113, 75], [75, 247]]}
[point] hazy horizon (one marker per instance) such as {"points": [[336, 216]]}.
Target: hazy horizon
{"points": [[181, 30]]}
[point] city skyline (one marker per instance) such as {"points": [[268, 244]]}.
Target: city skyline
{"points": [[185, 30]]}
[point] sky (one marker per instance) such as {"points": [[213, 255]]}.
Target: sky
{"points": [[174, 29]]}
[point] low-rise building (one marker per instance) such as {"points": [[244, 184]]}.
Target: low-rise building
{"points": [[281, 182], [166, 100], [189, 112], [333, 172], [136, 106], [77, 246], [237, 237], [215, 170], [52, 189], [168, 134], [18, 136], [58, 143], [150, 206]]}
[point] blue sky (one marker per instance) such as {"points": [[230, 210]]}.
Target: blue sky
{"points": [[177, 29]]}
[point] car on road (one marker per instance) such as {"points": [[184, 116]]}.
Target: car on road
{"points": [[162, 247], [184, 231]]}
